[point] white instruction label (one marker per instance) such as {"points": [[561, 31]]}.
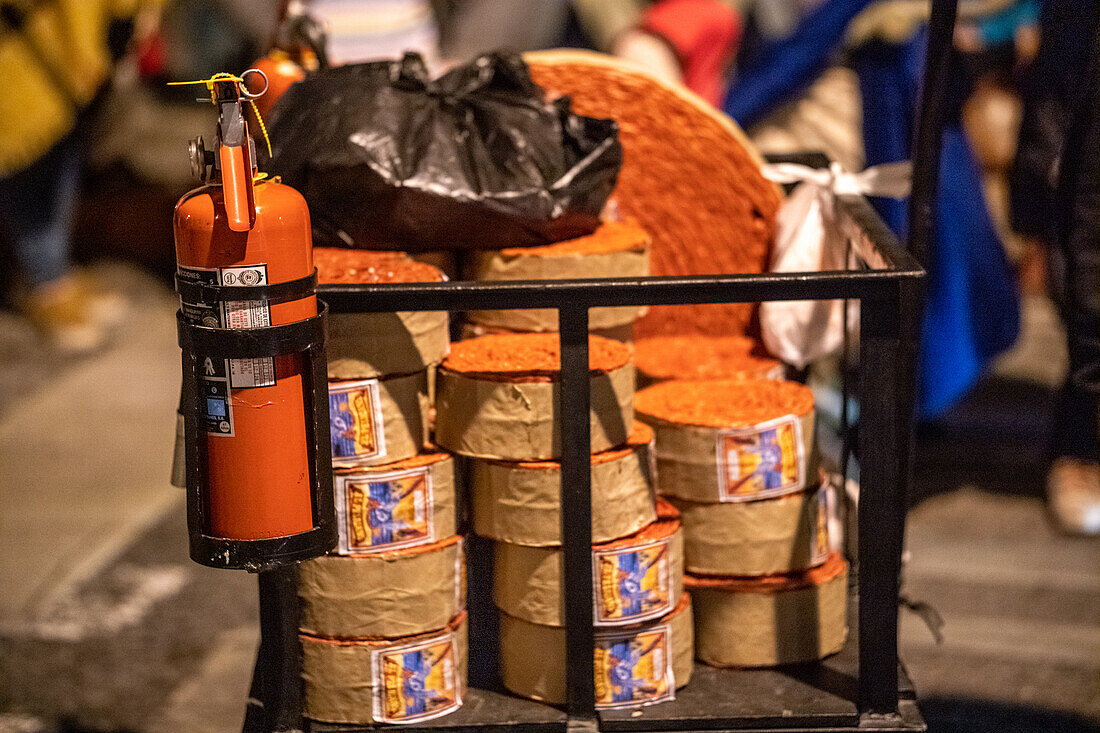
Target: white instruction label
{"points": [[247, 314]]}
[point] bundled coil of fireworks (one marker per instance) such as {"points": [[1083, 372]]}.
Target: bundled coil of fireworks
{"points": [[372, 345], [660, 358], [519, 502], [364, 681], [735, 456], [496, 396], [776, 619], [382, 624], [615, 249], [636, 665], [635, 579]]}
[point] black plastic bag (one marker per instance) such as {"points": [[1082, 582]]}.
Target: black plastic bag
{"points": [[477, 159]]}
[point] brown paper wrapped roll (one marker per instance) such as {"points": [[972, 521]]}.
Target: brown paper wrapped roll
{"points": [[658, 358], [384, 595], [520, 501], [730, 440], [376, 421], [497, 396], [690, 178], [635, 579], [532, 658], [781, 535], [615, 249], [762, 622], [364, 345], [403, 504], [362, 681]]}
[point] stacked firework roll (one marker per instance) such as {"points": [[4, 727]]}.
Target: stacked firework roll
{"points": [[735, 457], [615, 249], [495, 404], [660, 358], [383, 621]]}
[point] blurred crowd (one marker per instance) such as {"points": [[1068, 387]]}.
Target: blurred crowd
{"points": [[91, 137]]}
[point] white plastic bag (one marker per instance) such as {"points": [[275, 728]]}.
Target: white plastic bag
{"points": [[808, 238]]}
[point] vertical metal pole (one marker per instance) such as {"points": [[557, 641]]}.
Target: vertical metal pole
{"points": [[886, 380], [576, 515], [275, 702], [929, 133]]}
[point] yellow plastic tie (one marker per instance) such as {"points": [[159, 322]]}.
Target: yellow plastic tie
{"points": [[225, 76]]}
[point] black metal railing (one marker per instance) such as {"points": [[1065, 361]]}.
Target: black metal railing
{"points": [[886, 281]]}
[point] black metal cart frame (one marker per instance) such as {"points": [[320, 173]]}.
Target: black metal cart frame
{"points": [[866, 676], [887, 283]]}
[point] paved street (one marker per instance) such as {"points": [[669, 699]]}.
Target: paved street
{"points": [[105, 625]]}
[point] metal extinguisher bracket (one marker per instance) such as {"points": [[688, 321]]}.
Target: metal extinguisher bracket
{"points": [[305, 337]]}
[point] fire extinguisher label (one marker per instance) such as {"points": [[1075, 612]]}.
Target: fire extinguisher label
{"points": [[247, 314], [216, 407]]}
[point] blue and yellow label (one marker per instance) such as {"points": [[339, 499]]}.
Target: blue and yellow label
{"points": [[763, 461], [416, 682], [384, 511], [632, 583], [633, 669], [355, 422], [819, 553]]}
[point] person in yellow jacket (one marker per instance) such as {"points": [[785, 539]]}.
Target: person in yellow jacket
{"points": [[55, 56]]}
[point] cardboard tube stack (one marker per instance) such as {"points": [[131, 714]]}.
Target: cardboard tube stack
{"points": [[496, 404], [736, 457], [615, 249], [371, 345], [388, 605]]}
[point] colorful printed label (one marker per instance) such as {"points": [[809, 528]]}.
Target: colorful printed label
{"points": [[634, 669], [384, 511], [237, 373], [820, 546], [416, 682], [632, 584], [763, 461], [355, 422]]}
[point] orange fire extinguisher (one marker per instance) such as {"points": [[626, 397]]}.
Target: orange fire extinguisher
{"points": [[240, 230]]}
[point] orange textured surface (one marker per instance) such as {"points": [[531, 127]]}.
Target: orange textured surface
{"points": [[702, 357], [611, 236], [641, 435], [335, 265], [723, 403], [528, 356], [689, 178], [421, 459], [820, 575]]}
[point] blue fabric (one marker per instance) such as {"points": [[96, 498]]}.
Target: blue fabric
{"points": [[972, 310], [785, 68], [971, 305]]}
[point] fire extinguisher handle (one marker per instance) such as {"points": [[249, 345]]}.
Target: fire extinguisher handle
{"points": [[240, 207], [235, 158]]}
